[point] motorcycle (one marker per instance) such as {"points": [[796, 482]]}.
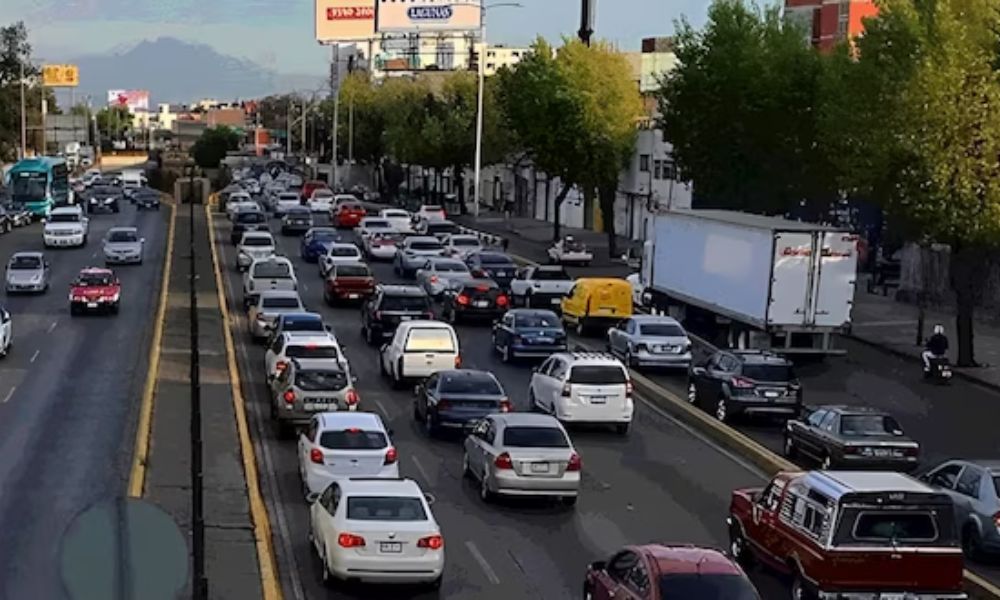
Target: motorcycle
{"points": [[940, 371]]}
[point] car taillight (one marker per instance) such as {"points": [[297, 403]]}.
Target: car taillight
{"points": [[390, 456], [378, 315], [316, 455], [443, 404], [458, 361], [911, 452], [349, 540], [502, 300], [462, 299], [740, 382], [281, 366], [432, 542], [351, 398], [628, 388], [506, 406], [289, 397], [566, 391], [434, 278], [574, 464], [503, 462], [996, 520]]}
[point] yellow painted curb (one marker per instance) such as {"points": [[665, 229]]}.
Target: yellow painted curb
{"points": [[258, 511], [140, 455]]}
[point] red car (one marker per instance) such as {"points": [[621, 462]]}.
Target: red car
{"points": [[95, 289], [347, 282], [311, 186], [348, 214], [657, 572]]}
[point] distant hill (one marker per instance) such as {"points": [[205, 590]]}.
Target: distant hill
{"points": [[181, 72]]}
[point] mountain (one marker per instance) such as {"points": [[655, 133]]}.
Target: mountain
{"points": [[177, 71]]}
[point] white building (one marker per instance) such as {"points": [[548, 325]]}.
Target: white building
{"points": [[408, 54]]}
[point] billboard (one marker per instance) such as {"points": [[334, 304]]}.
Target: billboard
{"points": [[60, 75], [344, 20], [133, 99], [401, 16]]}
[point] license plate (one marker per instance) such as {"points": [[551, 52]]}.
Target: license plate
{"points": [[482, 304], [352, 296], [544, 340], [892, 596], [91, 305], [539, 467], [771, 394], [321, 405], [390, 547], [501, 273], [405, 318], [598, 399], [556, 300], [882, 452]]}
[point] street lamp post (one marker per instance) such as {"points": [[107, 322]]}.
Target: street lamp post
{"points": [[24, 120]]}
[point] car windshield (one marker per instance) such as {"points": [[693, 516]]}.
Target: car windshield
{"points": [[324, 236], [716, 586], [258, 241], [572, 245], [597, 375], [996, 484], [405, 304], [289, 197], [251, 217], [775, 373], [353, 271], [377, 225], [391, 508], [396, 214], [25, 263], [441, 227], [343, 251], [895, 526], [57, 218], [312, 351], [103, 190], [478, 384], [280, 302], [661, 330], [318, 381], [94, 279], [425, 245], [298, 213], [353, 439], [123, 236], [536, 320], [534, 437], [273, 270], [451, 267], [430, 208], [430, 339], [302, 324], [472, 242], [862, 425], [495, 259], [350, 207], [551, 275], [322, 193]]}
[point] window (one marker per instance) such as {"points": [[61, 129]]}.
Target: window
{"points": [[390, 508], [405, 304], [996, 484], [427, 339], [330, 499], [297, 323], [534, 437], [717, 586], [353, 439], [968, 483], [669, 169], [558, 369], [496, 259], [657, 169], [946, 476], [661, 330], [28, 263], [769, 373], [312, 351], [320, 381], [771, 497], [273, 270], [425, 245], [828, 421], [344, 251], [816, 418], [491, 432], [863, 425], [123, 236], [886, 526], [809, 517], [644, 163], [598, 375], [281, 302], [556, 274], [469, 383], [352, 271], [539, 320], [258, 241]]}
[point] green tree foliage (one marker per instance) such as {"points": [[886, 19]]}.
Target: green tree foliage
{"points": [[209, 150], [741, 111], [358, 91], [15, 52], [114, 121], [919, 131]]}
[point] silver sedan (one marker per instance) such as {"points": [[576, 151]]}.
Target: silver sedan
{"points": [[522, 454], [439, 275], [650, 341], [27, 272], [123, 245], [269, 306]]}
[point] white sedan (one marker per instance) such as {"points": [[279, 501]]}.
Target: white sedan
{"points": [[337, 445], [382, 246], [401, 220], [376, 531], [321, 201], [570, 251], [338, 254]]}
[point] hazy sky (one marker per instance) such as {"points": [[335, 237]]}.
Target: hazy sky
{"points": [[279, 34]]}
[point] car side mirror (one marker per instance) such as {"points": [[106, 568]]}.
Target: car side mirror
{"points": [[328, 328], [598, 565], [534, 369], [383, 348]]}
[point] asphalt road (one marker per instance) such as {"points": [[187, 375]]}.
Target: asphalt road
{"points": [[69, 393], [663, 483]]}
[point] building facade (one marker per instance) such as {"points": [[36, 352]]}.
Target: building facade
{"points": [[830, 22], [408, 54]]}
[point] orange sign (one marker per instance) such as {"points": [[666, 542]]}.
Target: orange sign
{"points": [[344, 21], [60, 76]]}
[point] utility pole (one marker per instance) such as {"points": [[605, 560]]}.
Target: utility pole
{"points": [[350, 135], [288, 128], [587, 11], [24, 120], [303, 140], [45, 108], [480, 67], [335, 90]]}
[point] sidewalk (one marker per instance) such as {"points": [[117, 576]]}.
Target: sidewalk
{"points": [[884, 322], [231, 563]]}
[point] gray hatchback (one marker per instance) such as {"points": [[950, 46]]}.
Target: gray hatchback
{"points": [[27, 272], [307, 387], [974, 486], [122, 245]]}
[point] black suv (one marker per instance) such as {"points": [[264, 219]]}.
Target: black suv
{"points": [[250, 220], [745, 382], [477, 299], [390, 305]]}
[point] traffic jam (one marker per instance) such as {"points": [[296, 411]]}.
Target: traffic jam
{"points": [[422, 296]]}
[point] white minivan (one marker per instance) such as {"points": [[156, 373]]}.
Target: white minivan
{"points": [[418, 350], [584, 387]]}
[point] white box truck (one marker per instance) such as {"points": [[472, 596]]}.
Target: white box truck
{"points": [[751, 281]]}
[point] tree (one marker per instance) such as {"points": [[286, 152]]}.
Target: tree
{"points": [[15, 54], [925, 142], [741, 111], [114, 121], [209, 150]]}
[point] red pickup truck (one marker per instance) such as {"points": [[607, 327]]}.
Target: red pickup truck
{"points": [[851, 535], [95, 289]]}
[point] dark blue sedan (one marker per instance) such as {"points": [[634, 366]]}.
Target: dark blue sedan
{"points": [[528, 332], [316, 242], [454, 400], [495, 265]]}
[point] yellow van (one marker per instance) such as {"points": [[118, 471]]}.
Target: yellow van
{"points": [[595, 302]]}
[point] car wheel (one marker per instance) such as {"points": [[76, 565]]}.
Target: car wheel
{"points": [[722, 410], [533, 405], [692, 394], [397, 376], [790, 450], [416, 412], [623, 428], [629, 360], [328, 579], [466, 468], [429, 428], [436, 584], [581, 330], [381, 366], [369, 337], [827, 463], [485, 493], [971, 542], [738, 547], [799, 591], [327, 299], [568, 501], [505, 355]]}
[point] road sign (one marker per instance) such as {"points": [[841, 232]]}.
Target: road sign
{"points": [[60, 75]]}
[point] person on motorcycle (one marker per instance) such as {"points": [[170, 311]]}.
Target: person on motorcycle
{"points": [[936, 347]]}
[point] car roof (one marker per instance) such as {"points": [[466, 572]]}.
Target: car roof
{"points": [[531, 312], [525, 419], [478, 283], [759, 357], [276, 259], [399, 212], [66, 210], [346, 420], [95, 271], [27, 254], [305, 338], [260, 234], [301, 316], [423, 238], [845, 409], [655, 319], [402, 290], [279, 294], [466, 373], [589, 358], [426, 324], [379, 486], [837, 483], [689, 559], [343, 245]]}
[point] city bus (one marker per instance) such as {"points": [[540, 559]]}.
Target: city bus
{"points": [[40, 184]]}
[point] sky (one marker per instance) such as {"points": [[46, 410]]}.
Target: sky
{"points": [[279, 34]]}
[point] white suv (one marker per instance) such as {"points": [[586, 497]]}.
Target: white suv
{"points": [[584, 387], [338, 445], [6, 332], [65, 226]]}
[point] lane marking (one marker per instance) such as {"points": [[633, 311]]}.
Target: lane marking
{"points": [[94, 255], [52, 326], [9, 395], [270, 585], [483, 564], [140, 453], [381, 407], [420, 467], [35, 355]]}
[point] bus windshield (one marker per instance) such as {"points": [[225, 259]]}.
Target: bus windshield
{"points": [[29, 187]]}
